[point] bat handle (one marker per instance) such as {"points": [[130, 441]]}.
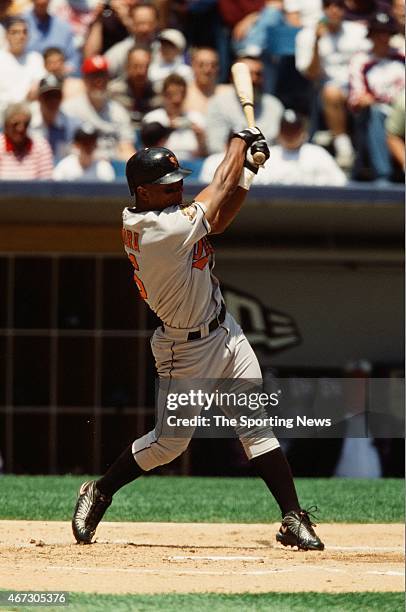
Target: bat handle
{"points": [[259, 158]]}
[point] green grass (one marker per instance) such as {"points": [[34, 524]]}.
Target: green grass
{"points": [[178, 499], [210, 602]]}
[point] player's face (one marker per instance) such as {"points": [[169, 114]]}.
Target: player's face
{"points": [[158, 197]]}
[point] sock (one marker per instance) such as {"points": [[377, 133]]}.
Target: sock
{"points": [[125, 469], [343, 144], [275, 471]]}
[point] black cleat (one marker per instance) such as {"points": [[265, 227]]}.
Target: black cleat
{"points": [[297, 530], [89, 510]]}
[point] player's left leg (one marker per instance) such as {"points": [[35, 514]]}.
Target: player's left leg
{"points": [[266, 456]]}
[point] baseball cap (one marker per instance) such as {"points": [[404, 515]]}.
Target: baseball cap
{"points": [[49, 83], [151, 133], [173, 36], [97, 63], [291, 121], [382, 22], [86, 131]]}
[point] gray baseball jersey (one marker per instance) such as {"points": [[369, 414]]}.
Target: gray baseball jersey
{"points": [[173, 262], [173, 269]]}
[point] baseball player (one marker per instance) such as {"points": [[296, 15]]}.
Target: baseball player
{"points": [[172, 258]]}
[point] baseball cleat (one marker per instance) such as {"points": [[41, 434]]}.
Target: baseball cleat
{"points": [[297, 530], [89, 510]]}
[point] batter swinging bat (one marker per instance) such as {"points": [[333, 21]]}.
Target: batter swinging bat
{"points": [[245, 92]]}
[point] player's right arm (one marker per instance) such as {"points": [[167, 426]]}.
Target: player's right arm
{"points": [[223, 198]]}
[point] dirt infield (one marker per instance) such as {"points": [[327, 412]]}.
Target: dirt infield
{"points": [[190, 557]]}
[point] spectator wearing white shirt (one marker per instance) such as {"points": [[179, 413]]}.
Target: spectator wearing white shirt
{"points": [[294, 161], [144, 29], [20, 71], [205, 66], [323, 54], [81, 164], [187, 139], [111, 119], [169, 59]]}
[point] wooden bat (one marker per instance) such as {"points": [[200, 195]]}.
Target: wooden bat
{"points": [[245, 92]]}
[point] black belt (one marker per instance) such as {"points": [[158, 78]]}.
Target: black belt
{"points": [[214, 324]]}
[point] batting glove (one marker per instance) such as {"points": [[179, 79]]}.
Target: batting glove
{"points": [[249, 135], [258, 146]]}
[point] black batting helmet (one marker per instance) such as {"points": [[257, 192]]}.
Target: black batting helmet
{"points": [[153, 165]]}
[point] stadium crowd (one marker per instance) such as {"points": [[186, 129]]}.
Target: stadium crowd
{"points": [[84, 84]]}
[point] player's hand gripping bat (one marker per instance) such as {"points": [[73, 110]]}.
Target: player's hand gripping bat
{"points": [[245, 92]]}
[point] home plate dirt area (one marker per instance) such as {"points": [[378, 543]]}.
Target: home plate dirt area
{"points": [[198, 557]]}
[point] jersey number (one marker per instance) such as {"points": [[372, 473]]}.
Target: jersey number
{"points": [[137, 280], [130, 240]]}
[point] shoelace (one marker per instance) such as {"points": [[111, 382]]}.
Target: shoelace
{"points": [[97, 510], [305, 515]]}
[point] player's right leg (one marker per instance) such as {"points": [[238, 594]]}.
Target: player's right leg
{"points": [[143, 455]]}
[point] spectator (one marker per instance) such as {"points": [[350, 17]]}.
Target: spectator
{"points": [[54, 63], [134, 90], [81, 164], [154, 134], [323, 54], [376, 79], [4, 14], [49, 121], [303, 13], [294, 161], [169, 59], [22, 158], [395, 130], [111, 24], [47, 30], [205, 66], [187, 139], [225, 114], [398, 12], [20, 70], [251, 31], [144, 27], [79, 14], [113, 122], [360, 10]]}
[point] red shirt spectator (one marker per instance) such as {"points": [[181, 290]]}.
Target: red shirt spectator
{"points": [[22, 158]]}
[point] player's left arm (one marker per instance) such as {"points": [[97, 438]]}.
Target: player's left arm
{"points": [[231, 205]]}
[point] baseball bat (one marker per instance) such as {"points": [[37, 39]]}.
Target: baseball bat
{"points": [[245, 92]]}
